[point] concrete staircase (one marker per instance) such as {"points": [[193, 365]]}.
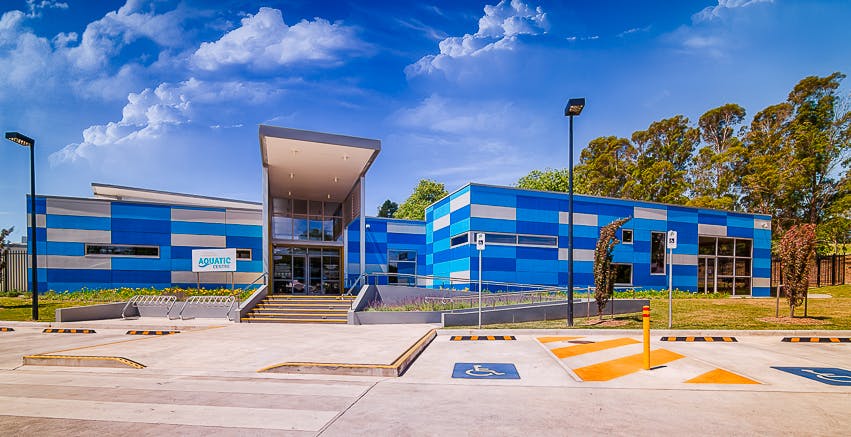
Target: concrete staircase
{"points": [[300, 309]]}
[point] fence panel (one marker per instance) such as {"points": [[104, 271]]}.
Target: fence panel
{"points": [[825, 270], [14, 276]]}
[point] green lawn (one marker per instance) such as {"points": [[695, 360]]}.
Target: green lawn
{"points": [[724, 313]]}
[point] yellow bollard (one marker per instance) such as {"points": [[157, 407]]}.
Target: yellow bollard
{"points": [[646, 316]]}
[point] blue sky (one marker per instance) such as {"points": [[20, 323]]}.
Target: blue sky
{"points": [[168, 95]]}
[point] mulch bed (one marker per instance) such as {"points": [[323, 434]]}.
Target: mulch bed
{"points": [[793, 321]]}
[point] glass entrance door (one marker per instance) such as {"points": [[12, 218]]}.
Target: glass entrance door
{"points": [[706, 275], [306, 270]]}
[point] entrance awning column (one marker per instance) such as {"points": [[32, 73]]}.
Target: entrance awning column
{"points": [[362, 226]]}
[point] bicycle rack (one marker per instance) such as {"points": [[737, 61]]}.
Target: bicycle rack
{"points": [[209, 301], [145, 300]]}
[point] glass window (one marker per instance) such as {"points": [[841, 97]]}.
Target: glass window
{"points": [[537, 240], [315, 208], [725, 266], [110, 250], [299, 206], [743, 248], [459, 239], [282, 206], [725, 285], [626, 236], [500, 239], [282, 227], [402, 255], [243, 253], [299, 229], [623, 274], [333, 209], [743, 267], [725, 246], [743, 286], [315, 229], [706, 245], [657, 253]]}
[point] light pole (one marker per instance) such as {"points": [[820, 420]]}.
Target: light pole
{"points": [[574, 107], [29, 142]]}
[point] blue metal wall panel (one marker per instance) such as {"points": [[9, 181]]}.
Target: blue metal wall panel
{"points": [[141, 238], [140, 211], [77, 222], [197, 228], [244, 230], [67, 249], [141, 277], [137, 225]]}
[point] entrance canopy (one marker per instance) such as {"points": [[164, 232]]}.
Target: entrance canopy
{"points": [[314, 165]]}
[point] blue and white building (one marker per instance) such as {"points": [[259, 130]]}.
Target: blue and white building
{"points": [[311, 233]]}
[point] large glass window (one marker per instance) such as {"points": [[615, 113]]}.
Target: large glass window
{"points": [[297, 219], [403, 263], [657, 253], [724, 265], [123, 250]]}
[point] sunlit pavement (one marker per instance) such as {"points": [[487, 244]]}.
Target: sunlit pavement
{"points": [[567, 383]]}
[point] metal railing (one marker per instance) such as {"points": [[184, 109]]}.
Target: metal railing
{"points": [[209, 301], [144, 300], [444, 282]]}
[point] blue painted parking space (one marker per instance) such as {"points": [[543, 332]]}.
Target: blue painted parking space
{"points": [[824, 375], [485, 371]]}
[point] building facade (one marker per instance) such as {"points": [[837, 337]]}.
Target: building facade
{"points": [[310, 233]]}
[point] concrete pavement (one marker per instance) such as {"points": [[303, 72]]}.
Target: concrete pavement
{"points": [[205, 381]]}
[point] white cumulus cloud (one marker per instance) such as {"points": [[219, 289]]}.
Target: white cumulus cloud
{"points": [[498, 30], [149, 114], [710, 13], [264, 41]]}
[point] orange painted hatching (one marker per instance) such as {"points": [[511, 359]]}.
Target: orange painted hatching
{"points": [[608, 370], [721, 376], [572, 351]]}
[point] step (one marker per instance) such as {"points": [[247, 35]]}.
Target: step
{"points": [[301, 310], [297, 314], [304, 305], [272, 320], [311, 296]]}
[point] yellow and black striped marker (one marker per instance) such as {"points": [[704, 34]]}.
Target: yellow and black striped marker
{"points": [[481, 337], [706, 339], [817, 339], [151, 332], [4, 329], [68, 331]]}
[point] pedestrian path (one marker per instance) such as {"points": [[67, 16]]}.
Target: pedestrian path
{"points": [[190, 404], [591, 360]]}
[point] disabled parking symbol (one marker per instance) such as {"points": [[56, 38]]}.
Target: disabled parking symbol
{"points": [[485, 371], [825, 375]]}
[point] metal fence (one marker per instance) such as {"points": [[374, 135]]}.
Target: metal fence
{"points": [[826, 270], [14, 276]]}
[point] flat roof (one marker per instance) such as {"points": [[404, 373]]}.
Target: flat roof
{"points": [[314, 165], [118, 192]]}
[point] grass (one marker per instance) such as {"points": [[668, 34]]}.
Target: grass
{"points": [[19, 307], [723, 313]]}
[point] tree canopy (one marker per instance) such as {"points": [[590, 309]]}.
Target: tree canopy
{"points": [[425, 193], [388, 208], [790, 161]]}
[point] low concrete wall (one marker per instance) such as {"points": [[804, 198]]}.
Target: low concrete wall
{"points": [[537, 312], [93, 312], [246, 306], [394, 317]]}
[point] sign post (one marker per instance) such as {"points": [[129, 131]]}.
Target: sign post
{"points": [[213, 260], [671, 245], [480, 246]]}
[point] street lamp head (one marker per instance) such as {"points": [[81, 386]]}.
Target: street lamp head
{"points": [[574, 106], [20, 139]]}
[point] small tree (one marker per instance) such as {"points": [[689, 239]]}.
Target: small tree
{"points": [[388, 208], [604, 275], [797, 250]]}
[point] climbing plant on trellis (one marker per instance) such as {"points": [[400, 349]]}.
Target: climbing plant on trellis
{"points": [[604, 275]]}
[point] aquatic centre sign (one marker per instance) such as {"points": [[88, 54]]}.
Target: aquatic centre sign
{"points": [[214, 260]]}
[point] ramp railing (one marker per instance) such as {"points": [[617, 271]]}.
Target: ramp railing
{"points": [[209, 302], [149, 301]]}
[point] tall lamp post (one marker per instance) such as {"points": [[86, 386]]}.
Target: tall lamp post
{"points": [[29, 142], [574, 107]]}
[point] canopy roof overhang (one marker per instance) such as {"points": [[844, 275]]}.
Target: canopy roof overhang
{"points": [[314, 165]]}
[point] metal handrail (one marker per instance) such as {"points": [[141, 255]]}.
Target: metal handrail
{"points": [[262, 276], [217, 301], [357, 281], [418, 278], [150, 300]]}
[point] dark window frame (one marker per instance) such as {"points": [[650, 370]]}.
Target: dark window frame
{"points": [[661, 241], [624, 234], [109, 250], [631, 273]]}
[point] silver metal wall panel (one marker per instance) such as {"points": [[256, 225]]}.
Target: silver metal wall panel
{"points": [[712, 230], [197, 215], [459, 202], [493, 212], [198, 240], [405, 228], [650, 213], [79, 236], [79, 207], [78, 262], [238, 217]]}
